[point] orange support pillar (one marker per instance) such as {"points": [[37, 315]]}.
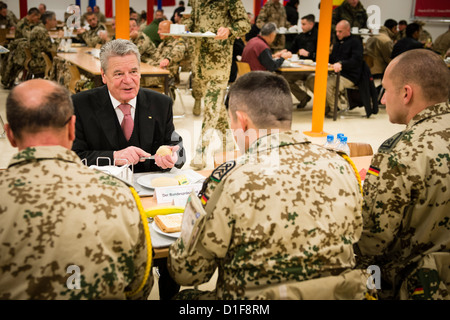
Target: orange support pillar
{"points": [[320, 82], [123, 19]]}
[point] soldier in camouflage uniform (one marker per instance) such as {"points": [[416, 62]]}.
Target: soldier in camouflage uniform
{"points": [[351, 10], [145, 46], [27, 23], [14, 61], [66, 231], [5, 18], [407, 188], [91, 37], [287, 211], [273, 11], [170, 52], [212, 62], [40, 41]]}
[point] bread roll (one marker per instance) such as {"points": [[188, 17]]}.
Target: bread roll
{"points": [[164, 151], [164, 182]]}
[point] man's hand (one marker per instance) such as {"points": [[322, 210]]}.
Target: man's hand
{"points": [[337, 67], [134, 34], [222, 33], [166, 162], [303, 53], [164, 63], [130, 154], [286, 55]]}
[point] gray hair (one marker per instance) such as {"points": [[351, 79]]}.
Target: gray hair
{"points": [[115, 48], [268, 29]]}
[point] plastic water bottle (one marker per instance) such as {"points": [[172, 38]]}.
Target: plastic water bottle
{"points": [[338, 140], [343, 146], [329, 144]]}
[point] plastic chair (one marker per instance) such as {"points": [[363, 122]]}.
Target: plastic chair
{"points": [[48, 66], [243, 68]]}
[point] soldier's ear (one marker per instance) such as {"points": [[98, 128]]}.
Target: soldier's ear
{"points": [[242, 119], [10, 135]]}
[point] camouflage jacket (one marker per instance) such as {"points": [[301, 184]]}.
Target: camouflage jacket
{"points": [[7, 21], [145, 46], [59, 220], [272, 12], [356, 16], [91, 37], [380, 49], [214, 57], [407, 209], [286, 211], [172, 49], [24, 27], [442, 43], [40, 41]]}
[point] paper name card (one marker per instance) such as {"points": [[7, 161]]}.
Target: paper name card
{"points": [[168, 194]]}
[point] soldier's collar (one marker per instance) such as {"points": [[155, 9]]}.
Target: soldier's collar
{"points": [[431, 111], [276, 140], [44, 152]]}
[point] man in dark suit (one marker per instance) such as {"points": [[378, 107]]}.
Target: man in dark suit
{"points": [[104, 130]]}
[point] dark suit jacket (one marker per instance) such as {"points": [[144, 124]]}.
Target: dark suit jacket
{"points": [[98, 132]]}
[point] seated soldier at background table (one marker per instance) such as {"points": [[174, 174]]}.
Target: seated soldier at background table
{"points": [[286, 212], [41, 41], [61, 221], [407, 188], [122, 121], [145, 46], [168, 55], [27, 23], [91, 36]]}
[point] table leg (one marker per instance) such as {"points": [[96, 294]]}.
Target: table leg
{"points": [[336, 96]]}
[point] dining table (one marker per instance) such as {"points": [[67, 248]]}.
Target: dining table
{"points": [[161, 243], [301, 67], [88, 62]]}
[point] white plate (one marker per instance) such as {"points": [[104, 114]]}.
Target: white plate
{"points": [[146, 181], [172, 234]]}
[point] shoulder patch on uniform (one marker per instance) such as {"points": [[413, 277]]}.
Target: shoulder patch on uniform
{"points": [[374, 171], [390, 143], [222, 170]]}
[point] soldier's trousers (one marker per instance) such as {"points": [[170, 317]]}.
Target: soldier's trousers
{"points": [[212, 64]]}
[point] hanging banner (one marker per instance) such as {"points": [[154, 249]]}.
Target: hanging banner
{"points": [[109, 8], [23, 4], [168, 3], [432, 8]]}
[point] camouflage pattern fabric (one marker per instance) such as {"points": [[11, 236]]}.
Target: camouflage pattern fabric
{"points": [[211, 60], [274, 12], [91, 37], [406, 209], [357, 17], [40, 41], [175, 51], [7, 21], [56, 213], [24, 27], [286, 211], [146, 46], [442, 43], [14, 61]]}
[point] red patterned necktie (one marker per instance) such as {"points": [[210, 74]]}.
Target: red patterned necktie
{"points": [[127, 122]]}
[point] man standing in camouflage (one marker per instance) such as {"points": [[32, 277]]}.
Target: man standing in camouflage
{"points": [[67, 231], [351, 10], [286, 212], [273, 11], [91, 37], [212, 62], [407, 189]]}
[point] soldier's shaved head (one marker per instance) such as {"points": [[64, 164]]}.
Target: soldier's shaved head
{"points": [[425, 69], [37, 105]]}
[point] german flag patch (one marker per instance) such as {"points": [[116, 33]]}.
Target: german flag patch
{"points": [[374, 171]]}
